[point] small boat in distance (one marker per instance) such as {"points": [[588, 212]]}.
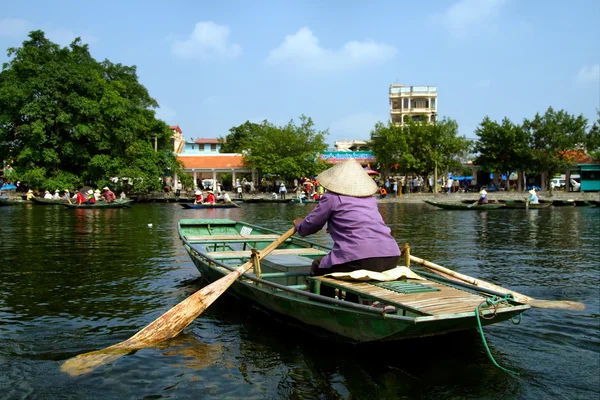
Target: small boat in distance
{"points": [[199, 206], [268, 201], [463, 206], [347, 310], [304, 201], [48, 202], [101, 204]]}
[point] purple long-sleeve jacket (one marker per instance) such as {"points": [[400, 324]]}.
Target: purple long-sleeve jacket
{"points": [[355, 225]]}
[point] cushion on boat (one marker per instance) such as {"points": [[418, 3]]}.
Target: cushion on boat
{"points": [[385, 276]]}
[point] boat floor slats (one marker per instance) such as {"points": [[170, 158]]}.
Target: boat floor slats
{"points": [[222, 255], [445, 300], [248, 238]]}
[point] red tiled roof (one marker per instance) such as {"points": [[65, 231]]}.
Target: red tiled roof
{"points": [[580, 157], [221, 161], [175, 128], [206, 141]]}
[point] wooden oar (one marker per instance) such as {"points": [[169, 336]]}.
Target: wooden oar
{"points": [[521, 298], [168, 325]]}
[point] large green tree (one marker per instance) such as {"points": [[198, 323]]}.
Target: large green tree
{"points": [[552, 136], [288, 151], [68, 120], [503, 147], [593, 138], [419, 147]]}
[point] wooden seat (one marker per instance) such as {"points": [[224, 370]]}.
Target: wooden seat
{"points": [[233, 238], [445, 300], [223, 255]]}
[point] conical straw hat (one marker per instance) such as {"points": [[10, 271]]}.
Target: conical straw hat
{"points": [[348, 178]]}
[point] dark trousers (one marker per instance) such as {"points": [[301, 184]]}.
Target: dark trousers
{"points": [[377, 264]]}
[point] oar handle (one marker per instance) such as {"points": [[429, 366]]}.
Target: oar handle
{"points": [[521, 298]]}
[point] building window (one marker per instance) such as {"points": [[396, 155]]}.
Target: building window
{"points": [[192, 147], [432, 103], [405, 103], [201, 147], [213, 147]]}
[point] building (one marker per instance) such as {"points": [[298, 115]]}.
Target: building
{"points": [[350, 145], [201, 158], [418, 103]]}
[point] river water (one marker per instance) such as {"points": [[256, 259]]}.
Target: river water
{"points": [[73, 281]]}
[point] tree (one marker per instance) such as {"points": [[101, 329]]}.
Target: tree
{"points": [[420, 147], [240, 137], [552, 136], [67, 119], [388, 144], [503, 148], [593, 138], [288, 151]]}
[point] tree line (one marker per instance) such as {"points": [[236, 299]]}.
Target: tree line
{"points": [[67, 120]]}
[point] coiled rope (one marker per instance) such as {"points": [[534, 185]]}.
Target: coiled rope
{"points": [[493, 302]]}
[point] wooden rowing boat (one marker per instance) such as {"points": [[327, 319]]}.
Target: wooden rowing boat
{"points": [[523, 205], [462, 206], [281, 285], [305, 201], [48, 202], [270, 201], [101, 205], [207, 205], [12, 202]]}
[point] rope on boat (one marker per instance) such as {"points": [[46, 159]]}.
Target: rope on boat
{"points": [[493, 302]]}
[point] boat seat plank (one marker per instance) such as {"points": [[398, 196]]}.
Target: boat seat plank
{"points": [[222, 255], [447, 300], [249, 238]]}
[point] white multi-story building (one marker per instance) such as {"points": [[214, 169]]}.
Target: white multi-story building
{"points": [[418, 103]]}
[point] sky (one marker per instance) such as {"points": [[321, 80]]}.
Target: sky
{"points": [[214, 65]]}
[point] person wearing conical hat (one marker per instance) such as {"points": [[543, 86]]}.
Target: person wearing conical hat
{"points": [[47, 195], [56, 195], [361, 238], [210, 197], [29, 194], [199, 197], [109, 195], [483, 198], [533, 198]]}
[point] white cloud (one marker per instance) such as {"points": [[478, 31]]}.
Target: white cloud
{"points": [[589, 74], [465, 15], [14, 27], [303, 49], [355, 126], [207, 40]]}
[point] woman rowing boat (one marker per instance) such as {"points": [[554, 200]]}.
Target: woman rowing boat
{"points": [[361, 238]]}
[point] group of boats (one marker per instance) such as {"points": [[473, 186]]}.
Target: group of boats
{"points": [[510, 204], [121, 203]]}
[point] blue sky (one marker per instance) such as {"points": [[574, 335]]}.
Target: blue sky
{"points": [[214, 65]]}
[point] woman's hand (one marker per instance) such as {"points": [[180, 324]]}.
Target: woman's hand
{"points": [[297, 221]]}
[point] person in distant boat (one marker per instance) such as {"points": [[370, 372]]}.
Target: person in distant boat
{"points": [[533, 198], [97, 195], [226, 197], [67, 195], [91, 199], [47, 195], [108, 194], [483, 197], [80, 198], [210, 197], [56, 195], [282, 190], [29, 194], [199, 197], [361, 238]]}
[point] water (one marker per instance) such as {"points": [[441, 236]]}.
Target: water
{"points": [[73, 281]]}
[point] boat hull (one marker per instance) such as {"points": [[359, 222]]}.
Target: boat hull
{"points": [[115, 204], [530, 206], [268, 201], [340, 320], [191, 206], [48, 202], [462, 206]]}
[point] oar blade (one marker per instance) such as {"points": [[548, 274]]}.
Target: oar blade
{"points": [[557, 304], [87, 362]]}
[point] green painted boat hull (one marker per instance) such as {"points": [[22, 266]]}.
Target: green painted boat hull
{"points": [[339, 321], [461, 206], [524, 206], [48, 202], [115, 204]]}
